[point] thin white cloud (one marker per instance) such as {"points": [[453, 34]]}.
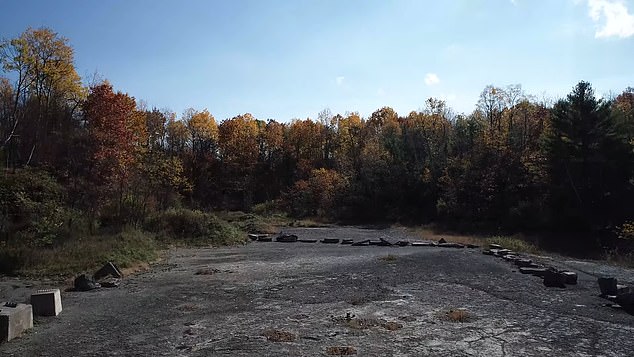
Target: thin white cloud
{"points": [[612, 18], [431, 79], [340, 80]]}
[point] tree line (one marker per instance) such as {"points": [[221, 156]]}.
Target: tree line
{"points": [[513, 164]]}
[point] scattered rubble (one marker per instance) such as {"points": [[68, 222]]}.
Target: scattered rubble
{"points": [[330, 240], [347, 241]]}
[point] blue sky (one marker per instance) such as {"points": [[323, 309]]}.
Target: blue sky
{"points": [[292, 58]]}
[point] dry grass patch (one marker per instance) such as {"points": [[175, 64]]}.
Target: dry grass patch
{"points": [[274, 335], [388, 258], [341, 351], [458, 315], [362, 323]]}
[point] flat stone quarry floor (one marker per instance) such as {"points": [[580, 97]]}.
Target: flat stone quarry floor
{"points": [[307, 299]]}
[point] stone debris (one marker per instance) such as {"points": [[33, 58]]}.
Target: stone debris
{"points": [[554, 279], [84, 283], [402, 243], [551, 277], [264, 238], [540, 272], [307, 240], [424, 244], [257, 236], [450, 245], [441, 241], [330, 240], [523, 263], [510, 258], [286, 238], [347, 241], [108, 269], [361, 243]]}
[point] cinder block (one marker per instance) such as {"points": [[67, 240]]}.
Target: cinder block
{"points": [[47, 302], [14, 321]]}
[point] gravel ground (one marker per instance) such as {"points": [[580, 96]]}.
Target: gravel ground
{"points": [[314, 299]]}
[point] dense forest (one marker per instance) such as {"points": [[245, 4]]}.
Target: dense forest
{"points": [[88, 158]]}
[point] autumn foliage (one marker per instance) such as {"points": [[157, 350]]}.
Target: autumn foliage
{"points": [[514, 163]]}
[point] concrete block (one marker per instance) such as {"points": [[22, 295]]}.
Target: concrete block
{"points": [[570, 277], [14, 321], [608, 286], [47, 302]]}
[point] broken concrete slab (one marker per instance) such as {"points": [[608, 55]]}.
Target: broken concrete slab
{"points": [[510, 258], [450, 245], [423, 244], [523, 262], [347, 241], [502, 252], [46, 302], [554, 279], [256, 236], [608, 286], [15, 319], [361, 243], [330, 240], [623, 289], [84, 283], [570, 277], [108, 269], [534, 271], [627, 302]]}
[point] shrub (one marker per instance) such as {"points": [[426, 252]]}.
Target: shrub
{"points": [[31, 208], [193, 226]]}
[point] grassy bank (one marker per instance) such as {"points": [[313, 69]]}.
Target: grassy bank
{"points": [[127, 248]]}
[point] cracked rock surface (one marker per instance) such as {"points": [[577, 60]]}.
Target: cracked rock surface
{"points": [[302, 299]]}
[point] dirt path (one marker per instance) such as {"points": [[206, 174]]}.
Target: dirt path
{"points": [[381, 301]]}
